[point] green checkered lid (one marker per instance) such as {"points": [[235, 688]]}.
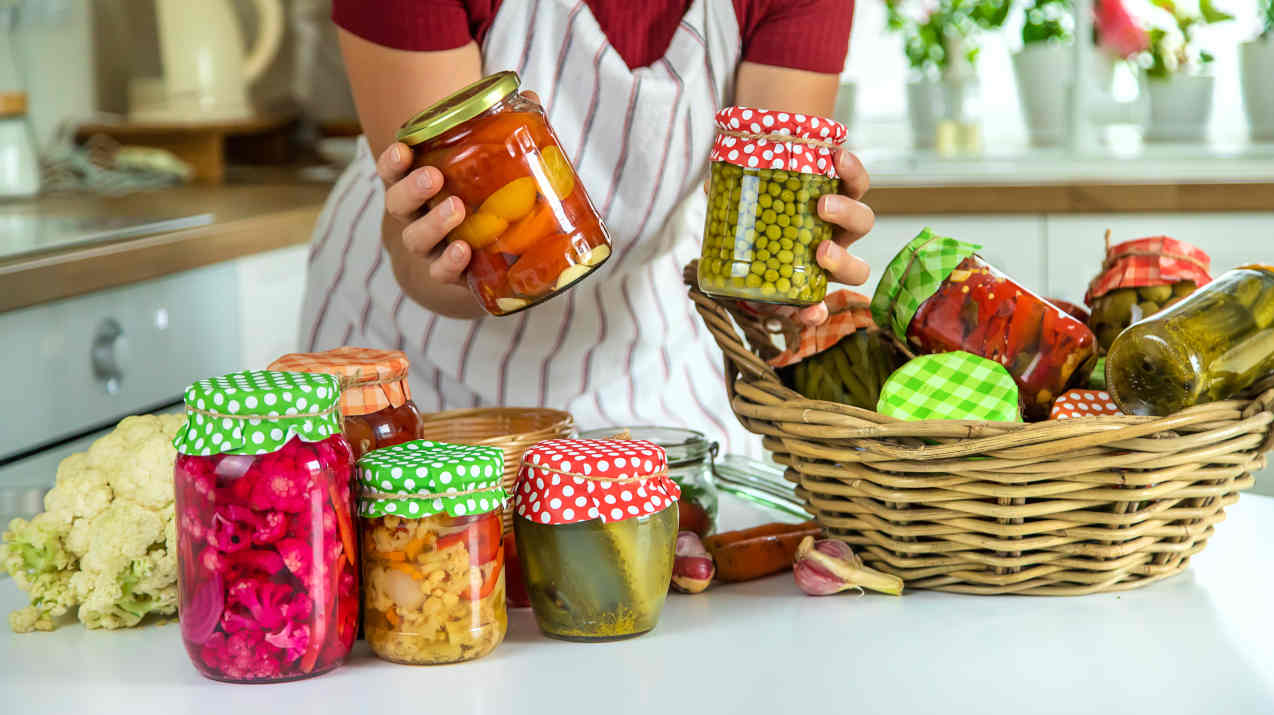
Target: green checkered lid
{"points": [[913, 276], [950, 386], [423, 478], [258, 411]]}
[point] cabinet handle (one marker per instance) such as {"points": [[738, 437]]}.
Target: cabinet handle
{"points": [[109, 352]]}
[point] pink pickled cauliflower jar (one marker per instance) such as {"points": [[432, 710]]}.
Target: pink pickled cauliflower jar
{"points": [[267, 562]]}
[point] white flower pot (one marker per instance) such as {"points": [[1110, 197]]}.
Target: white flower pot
{"points": [[1044, 73], [1180, 108], [924, 109], [1256, 60]]}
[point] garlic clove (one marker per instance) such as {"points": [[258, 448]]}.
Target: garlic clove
{"points": [[597, 255], [828, 566], [693, 568], [571, 274], [508, 305]]}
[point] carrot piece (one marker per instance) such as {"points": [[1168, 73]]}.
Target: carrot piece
{"points": [[394, 556], [760, 551], [407, 569], [343, 524], [392, 616], [413, 548], [527, 231]]}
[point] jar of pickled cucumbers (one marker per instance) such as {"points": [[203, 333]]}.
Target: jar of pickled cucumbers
{"points": [[433, 560], [533, 230], [375, 396], [596, 526], [940, 296], [267, 566], [1138, 279], [1210, 346], [762, 232]]}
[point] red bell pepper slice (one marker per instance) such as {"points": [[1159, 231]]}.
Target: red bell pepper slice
{"points": [[488, 583], [481, 538]]}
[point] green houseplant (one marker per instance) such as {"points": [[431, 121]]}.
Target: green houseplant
{"points": [[1180, 87]]}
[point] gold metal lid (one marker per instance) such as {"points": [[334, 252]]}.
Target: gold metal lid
{"points": [[13, 104], [460, 107]]}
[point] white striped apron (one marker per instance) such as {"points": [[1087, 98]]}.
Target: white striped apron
{"points": [[623, 347]]}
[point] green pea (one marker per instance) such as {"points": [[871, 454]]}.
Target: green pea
{"points": [[783, 284], [779, 175], [758, 268], [771, 276], [768, 216], [753, 281], [785, 256], [767, 289], [803, 195], [786, 244], [785, 270], [805, 236], [762, 242], [787, 194], [762, 255], [765, 201], [774, 189], [784, 220], [789, 233]]}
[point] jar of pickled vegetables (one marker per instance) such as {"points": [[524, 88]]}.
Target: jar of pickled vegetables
{"points": [[690, 464], [1138, 279], [596, 526], [1210, 346], [941, 297], [267, 564], [375, 396], [433, 560], [762, 231], [528, 219]]}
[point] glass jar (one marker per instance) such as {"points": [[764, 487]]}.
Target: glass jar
{"points": [[942, 297], [1138, 279], [433, 555], [762, 230], [267, 564], [596, 526], [375, 394], [1210, 346], [533, 230], [690, 464]]}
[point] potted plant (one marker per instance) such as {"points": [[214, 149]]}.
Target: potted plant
{"points": [[1256, 60], [1044, 69], [942, 43], [1179, 81]]}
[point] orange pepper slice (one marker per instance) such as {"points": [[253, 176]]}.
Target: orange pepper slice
{"points": [[527, 232], [407, 569], [392, 616], [479, 230], [560, 174], [511, 201], [394, 556], [536, 272], [413, 548]]}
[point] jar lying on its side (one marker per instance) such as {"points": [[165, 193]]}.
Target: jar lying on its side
{"points": [[528, 219], [596, 526], [1138, 279], [762, 232], [433, 560], [941, 297], [267, 564], [375, 395]]}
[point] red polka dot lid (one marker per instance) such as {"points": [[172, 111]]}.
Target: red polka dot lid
{"points": [[1083, 403], [746, 138], [564, 481]]}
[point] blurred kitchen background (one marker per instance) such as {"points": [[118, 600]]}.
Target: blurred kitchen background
{"points": [[162, 161]]}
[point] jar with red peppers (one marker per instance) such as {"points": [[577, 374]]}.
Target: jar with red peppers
{"points": [[267, 561], [940, 296], [375, 396], [533, 230]]}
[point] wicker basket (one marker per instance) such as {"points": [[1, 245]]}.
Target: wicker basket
{"points": [[1053, 508], [512, 429]]}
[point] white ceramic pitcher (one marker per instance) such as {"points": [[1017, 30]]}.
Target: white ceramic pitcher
{"points": [[207, 70]]}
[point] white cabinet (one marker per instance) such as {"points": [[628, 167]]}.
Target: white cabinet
{"points": [[271, 287]]}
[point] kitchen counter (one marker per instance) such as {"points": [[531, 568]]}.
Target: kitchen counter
{"points": [[1197, 643]]}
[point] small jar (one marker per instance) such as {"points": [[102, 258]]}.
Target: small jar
{"points": [[267, 564], [690, 464], [596, 526], [1138, 279], [433, 559], [941, 297], [1210, 346], [375, 395], [762, 231], [533, 230]]}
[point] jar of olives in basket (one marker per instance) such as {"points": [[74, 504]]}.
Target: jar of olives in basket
{"points": [[762, 231], [1139, 278]]}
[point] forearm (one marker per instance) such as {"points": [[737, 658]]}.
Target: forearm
{"points": [[412, 274]]}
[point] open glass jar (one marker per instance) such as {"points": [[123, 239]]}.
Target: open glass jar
{"points": [[762, 232], [528, 219], [267, 564], [596, 525], [375, 395], [433, 560]]}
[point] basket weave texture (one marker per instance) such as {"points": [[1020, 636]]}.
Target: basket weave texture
{"points": [[1051, 508], [512, 429]]}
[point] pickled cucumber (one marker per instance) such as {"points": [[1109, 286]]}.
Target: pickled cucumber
{"points": [[761, 234], [850, 372]]}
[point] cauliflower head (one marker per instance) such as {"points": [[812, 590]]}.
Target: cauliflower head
{"points": [[106, 541]]}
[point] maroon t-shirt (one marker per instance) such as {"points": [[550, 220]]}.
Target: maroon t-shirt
{"points": [[799, 34]]}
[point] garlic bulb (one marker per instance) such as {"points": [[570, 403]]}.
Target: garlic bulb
{"points": [[829, 566]]}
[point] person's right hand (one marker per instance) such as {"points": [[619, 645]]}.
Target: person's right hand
{"points": [[422, 234]]}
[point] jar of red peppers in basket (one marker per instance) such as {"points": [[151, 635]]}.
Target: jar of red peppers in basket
{"points": [[529, 221], [267, 563], [940, 296], [762, 231]]}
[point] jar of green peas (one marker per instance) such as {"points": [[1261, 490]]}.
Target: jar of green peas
{"points": [[768, 170]]}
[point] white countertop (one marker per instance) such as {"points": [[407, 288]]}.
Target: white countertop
{"points": [[1199, 643]]}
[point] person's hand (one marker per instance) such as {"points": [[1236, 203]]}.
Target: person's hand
{"points": [[854, 220], [407, 192]]}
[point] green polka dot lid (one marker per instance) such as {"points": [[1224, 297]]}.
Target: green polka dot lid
{"points": [[258, 411], [423, 478]]}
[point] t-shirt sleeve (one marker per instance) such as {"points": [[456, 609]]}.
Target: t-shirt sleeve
{"points": [[808, 35], [418, 25]]}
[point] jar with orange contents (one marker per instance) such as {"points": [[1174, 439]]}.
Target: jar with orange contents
{"points": [[375, 397], [533, 230]]}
